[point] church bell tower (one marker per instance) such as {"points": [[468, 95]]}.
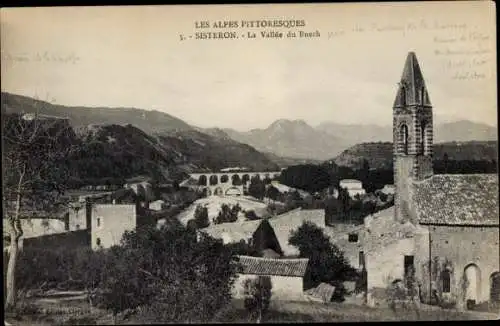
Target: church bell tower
{"points": [[412, 136]]}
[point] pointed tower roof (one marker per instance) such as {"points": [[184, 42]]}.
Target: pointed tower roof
{"points": [[412, 90]]}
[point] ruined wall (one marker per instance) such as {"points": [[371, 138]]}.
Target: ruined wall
{"points": [[456, 247]]}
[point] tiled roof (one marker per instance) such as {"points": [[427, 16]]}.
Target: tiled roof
{"points": [[235, 231], [457, 199], [273, 266], [284, 224]]}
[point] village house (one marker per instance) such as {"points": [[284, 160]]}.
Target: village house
{"points": [[444, 229], [109, 222], [286, 275], [353, 187], [284, 224]]}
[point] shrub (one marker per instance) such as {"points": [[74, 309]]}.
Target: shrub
{"points": [[250, 215], [258, 294]]}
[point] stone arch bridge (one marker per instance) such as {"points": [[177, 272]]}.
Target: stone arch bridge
{"points": [[228, 183]]}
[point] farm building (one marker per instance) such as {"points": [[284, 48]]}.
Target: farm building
{"points": [[353, 187], [287, 276]]}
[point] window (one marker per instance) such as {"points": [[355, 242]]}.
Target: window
{"points": [[353, 237], [409, 270], [78, 226], [361, 259], [445, 279], [404, 138], [98, 222], [98, 241], [422, 135]]}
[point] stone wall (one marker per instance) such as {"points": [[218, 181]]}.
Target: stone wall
{"points": [[456, 247], [287, 288]]}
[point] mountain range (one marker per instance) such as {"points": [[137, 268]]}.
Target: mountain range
{"points": [[284, 142], [295, 138]]}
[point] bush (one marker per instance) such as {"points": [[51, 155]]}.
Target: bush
{"points": [[258, 294], [250, 215], [201, 217]]}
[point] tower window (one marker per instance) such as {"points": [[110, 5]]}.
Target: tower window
{"points": [[98, 241], [423, 137], [98, 222], [361, 259], [445, 279], [353, 237], [404, 138]]}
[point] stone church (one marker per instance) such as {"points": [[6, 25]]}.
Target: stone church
{"points": [[443, 229]]}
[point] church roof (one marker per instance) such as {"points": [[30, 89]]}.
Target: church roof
{"points": [[412, 90], [455, 199]]}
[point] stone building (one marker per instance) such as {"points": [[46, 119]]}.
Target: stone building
{"points": [[286, 275], [353, 187], [109, 222], [444, 229]]}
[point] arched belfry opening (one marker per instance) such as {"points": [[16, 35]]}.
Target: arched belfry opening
{"points": [[403, 138], [423, 136]]}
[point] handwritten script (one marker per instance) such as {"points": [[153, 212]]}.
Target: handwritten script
{"points": [[40, 57]]}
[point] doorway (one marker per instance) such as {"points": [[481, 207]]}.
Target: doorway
{"points": [[473, 285]]}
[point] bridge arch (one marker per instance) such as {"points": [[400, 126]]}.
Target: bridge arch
{"points": [[236, 180], [213, 180], [233, 191], [202, 180], [224, 178], [207, 192], [218, 191], [245, 178]]}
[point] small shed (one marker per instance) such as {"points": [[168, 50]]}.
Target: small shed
{"points": [[287, 276]]}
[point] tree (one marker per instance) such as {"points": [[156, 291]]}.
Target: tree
{"points": [[227, 214], [258, 294], [257, 188], [250, 215], [35, 173], [171, 275], [326, 262], [201, 217], [272, 193]]}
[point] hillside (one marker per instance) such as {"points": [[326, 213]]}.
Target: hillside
{"points": [[123, 142], [379, 155], [148, 121], [212, 153]]}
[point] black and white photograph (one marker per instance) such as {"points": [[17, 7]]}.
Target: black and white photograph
{"points": [[250, 163]]}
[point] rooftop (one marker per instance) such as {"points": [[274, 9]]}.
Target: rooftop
{"points": [[234, 232], [455, 199], [284, 224], [274, 266]]}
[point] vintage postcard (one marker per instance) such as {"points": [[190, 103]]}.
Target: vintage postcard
{"points": [[250, 163]]}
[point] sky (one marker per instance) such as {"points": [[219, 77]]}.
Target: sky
{"points": [[133, 57]]}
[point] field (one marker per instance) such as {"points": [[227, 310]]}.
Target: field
{"points": [[77, 312], [213, 203], [340, 312]]}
